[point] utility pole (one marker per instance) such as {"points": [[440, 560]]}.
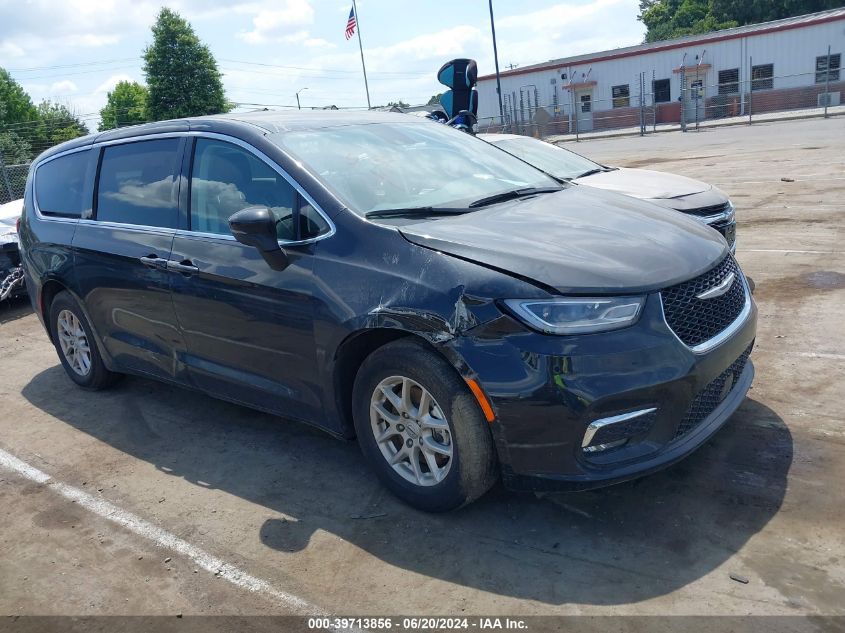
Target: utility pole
{"points": [[496, 59]]}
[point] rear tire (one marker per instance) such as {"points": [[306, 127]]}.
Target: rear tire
{"points": [[76, 346], [428, 424]]}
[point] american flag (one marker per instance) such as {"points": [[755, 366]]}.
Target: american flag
{"points": [[351, 23]]}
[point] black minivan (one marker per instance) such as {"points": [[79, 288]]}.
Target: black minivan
{"points": [[383, 277]]}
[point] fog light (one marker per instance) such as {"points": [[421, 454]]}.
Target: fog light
{"points": [[612, 432]]}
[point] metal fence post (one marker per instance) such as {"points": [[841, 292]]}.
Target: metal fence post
{"points": [[750, 85], [654, 103], [681, 98], [827, 83]]}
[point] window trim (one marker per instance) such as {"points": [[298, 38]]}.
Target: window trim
{"points": [[722, 84], [828, 70], [758, 80], [179, 231], [668, 90], [627, 97], [297, 194], [50, 217], [101, 151]]}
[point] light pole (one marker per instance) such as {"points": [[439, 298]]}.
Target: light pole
{"points": [[496, 59], [299, 107]]}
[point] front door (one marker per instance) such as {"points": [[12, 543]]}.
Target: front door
{"points": [[584, 110], [694, 99], [120, 256], [249, 329]]}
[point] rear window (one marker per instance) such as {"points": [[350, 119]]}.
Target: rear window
{"points": [[138, 183], [60, 185]]}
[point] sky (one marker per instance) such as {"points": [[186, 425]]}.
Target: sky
{"points": [[75, 51]]}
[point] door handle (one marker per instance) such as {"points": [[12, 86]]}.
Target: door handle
{"points": [[185, 266], [153, 261]]}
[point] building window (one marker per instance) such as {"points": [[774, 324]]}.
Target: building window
{"points": [[621, 96], [762, 77], [825, 72], [661, 91], [729, 81]]}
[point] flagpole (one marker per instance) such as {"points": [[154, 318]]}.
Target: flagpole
{"points": [[361, 46]]}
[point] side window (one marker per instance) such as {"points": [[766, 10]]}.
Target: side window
{"points": [[61, 187], [226, 179], [311, 223], [138, 183]]}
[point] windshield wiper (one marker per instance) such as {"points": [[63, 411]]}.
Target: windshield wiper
{"points": [[512, 195], [414, 211], [590, 172]]}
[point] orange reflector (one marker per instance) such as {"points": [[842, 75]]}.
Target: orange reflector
{"points": [[482, 399]]}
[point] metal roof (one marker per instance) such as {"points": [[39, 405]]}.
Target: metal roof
{"points": [[714, 36]]}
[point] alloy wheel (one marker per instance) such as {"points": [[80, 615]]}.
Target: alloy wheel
{"points": [[411, 431], [74, 342]]}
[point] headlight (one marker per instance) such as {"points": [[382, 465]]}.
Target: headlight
{"points": [[577, 315], [730, 214]]}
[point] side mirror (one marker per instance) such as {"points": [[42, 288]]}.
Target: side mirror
{"points": [[256, 227]]}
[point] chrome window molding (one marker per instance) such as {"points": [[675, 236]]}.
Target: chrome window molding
{"points": [[595, 425], [724, 335], [183, 232]]}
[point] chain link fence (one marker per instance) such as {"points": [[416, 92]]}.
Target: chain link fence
{"points": [[12, 181], [645, 105]]}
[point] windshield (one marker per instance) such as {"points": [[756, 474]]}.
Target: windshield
{"points": [[381, 166], [554, 160]]}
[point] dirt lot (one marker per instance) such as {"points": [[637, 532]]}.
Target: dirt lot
{"points": [[265, 513]]}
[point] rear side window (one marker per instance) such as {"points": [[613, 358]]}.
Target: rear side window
{"points": [[138, 183], [226, 179], [61, 188]]}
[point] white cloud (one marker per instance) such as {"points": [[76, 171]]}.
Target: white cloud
{"points": [[63, 87], [318, 42], [109, 84], [10, 49], [281, 24], [91, 40]]}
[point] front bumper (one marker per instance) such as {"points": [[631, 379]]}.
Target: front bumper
{"points": [[547, 390]]}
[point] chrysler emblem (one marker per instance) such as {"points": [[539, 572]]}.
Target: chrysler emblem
{"points": [[719, 289]]}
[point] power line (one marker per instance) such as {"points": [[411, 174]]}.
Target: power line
{"points": [[75, 65]]}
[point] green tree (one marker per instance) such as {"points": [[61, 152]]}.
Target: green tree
{"points": [[435, 99], [398, 104], [125, 105], [15, 104], [14, 149], [56, 124], [667, 19], [181, 72]]}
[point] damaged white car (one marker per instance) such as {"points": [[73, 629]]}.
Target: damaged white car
{"points": [[11, 273]]}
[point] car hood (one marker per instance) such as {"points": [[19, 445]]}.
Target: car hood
{"points": [[578, 241], [644, 183]]}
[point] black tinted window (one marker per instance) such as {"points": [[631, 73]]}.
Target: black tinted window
{"points": [[226, 179], [138, 183], [60, 185]]}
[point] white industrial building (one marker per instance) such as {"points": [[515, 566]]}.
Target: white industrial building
{"points": [[767, 67]]}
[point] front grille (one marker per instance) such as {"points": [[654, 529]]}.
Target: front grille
{"points": [[714, 393], [711, 210], [697, 320], [727, 229]]}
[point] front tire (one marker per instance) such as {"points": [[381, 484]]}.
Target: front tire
{"points": [[76, 346], [421, 429]]}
